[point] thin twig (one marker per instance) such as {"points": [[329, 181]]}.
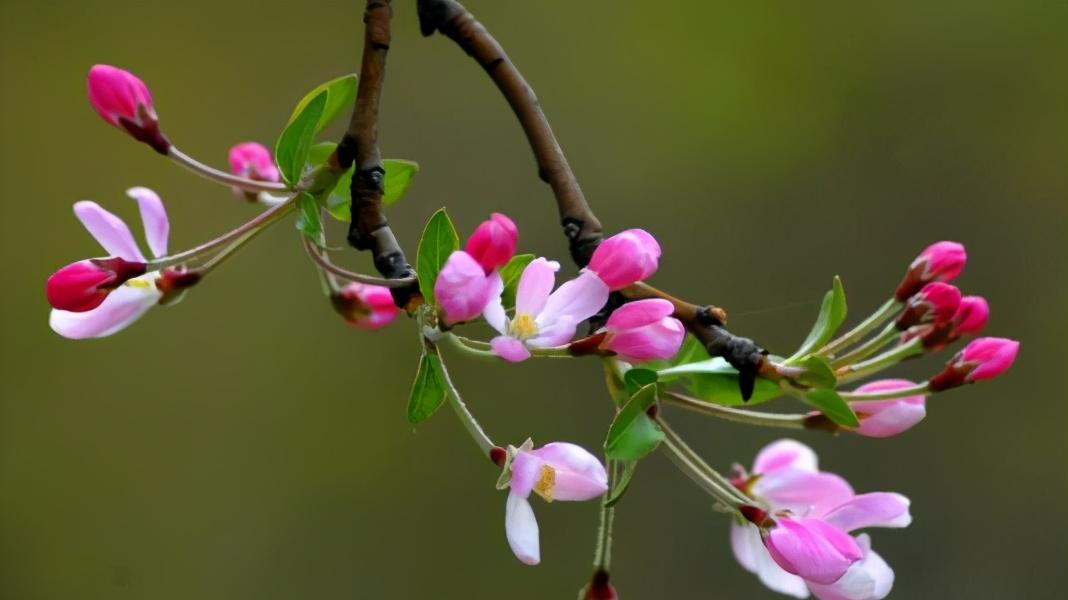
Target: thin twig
{"points": [[320, 259]]}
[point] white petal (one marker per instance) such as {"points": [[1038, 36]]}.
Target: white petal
{"points": [[107, 229], [154, 218], [118, 311], [754, 557], [870, 578], [494, 311], [521, 528]]}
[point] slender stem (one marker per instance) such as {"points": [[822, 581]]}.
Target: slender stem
{"points": [[261, 221], [700, 471], [324, 263], [914, 390], [485, 444], [873, 345], [221, 257], [602, 555], [877, 363], [481, 349], [736, 415], [213, 174], [884, 312]]}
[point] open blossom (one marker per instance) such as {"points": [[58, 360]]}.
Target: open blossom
{"points": [[625, 258], [936, 302], [644, 330], [543, 318], [366, 306], [983, 358], [885, 418], [493, 243], [807, 515], [468, 280], [124, 101], [131, 298], [556, 471], [941, 261]]}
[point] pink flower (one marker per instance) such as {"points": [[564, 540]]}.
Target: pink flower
{"points": [[463, 289], [644, 330], [366, 306], [83, 286], [942, 261], [543, 319], [556, 471], [124, 101], [493, 243], [625, 258], [885, 418], [935, 302], [810, 513], [253, 161], [130, 297], [984, 358]]}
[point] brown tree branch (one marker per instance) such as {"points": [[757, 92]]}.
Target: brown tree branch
{"points": [[581, 226], [369, 229]]}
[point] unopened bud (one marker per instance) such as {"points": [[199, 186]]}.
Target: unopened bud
{"points": [[252, 161], [983, 358], [493, 243], [942, 261], [366, 306], [625, 258], [936, 302], [83, 286], [124, 101]]}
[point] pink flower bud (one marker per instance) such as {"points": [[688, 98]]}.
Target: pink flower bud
{"points": [[83, 286], [942, 261], [936, 302], [253, 161], [462, 289], [983, 358], [124, 101], [971, 315], [625, 258], [492, 244], [644, 330], [885, 418], [366, 306]]}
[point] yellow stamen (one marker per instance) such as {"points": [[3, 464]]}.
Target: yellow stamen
{"points": [[544, 485], [523, 326], [139, 283]]}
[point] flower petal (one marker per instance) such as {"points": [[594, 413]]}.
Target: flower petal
{"points": [[119, 310], [754, 557], [107, 229], [875, 509], [526, 469], [639, 313], [535, 284], [812, 549], [521, 529], [870, 578], [494, 312], [579, 299], [801, 492], [785, 453], [509, 348], [556, 333], [154, 219], [579, 475]]}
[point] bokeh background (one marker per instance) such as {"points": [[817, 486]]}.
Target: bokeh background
{"points": [[246, 444]]}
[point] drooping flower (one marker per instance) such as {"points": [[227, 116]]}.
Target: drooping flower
{"points": [[123, 100], [941, 261], [556, 471], [468, 280], [936, 302], [625, 258], [543, 319], [803, 545], [644, 330], [493, 243], [366, 306], [885, 418], [131, 298], [983, 358]]}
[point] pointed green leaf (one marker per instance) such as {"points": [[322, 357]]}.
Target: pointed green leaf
{"points": [[637, 378], [510, 276], [428, 389], [291, 150], [399, 175], [438, 242], [832, 314], [318, 153], [818, 373], [833, 406], [309, 218], [622, 483], [633, 434], [340, 95]]}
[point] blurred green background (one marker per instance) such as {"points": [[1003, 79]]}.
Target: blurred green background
{"points": [[246, 444]]}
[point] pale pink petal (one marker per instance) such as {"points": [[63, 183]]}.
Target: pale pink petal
{"points": [[494, 312], [870, 578], [639, 313], [802, 492], [521, 529], [659, 340], [154, 219], [579, 299], [579, 475], [785, 453], [753, 556], [874, 509], [886, 418], [119, 310], [812, 549], [509, 348], [526, 470], [462, 289], [556, 333], [107, 229], [535, 284]]}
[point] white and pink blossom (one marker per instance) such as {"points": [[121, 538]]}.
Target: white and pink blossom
{"points": [[644, 330]]}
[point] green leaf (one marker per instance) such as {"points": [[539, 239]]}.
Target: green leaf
{"points": [[291, 150], [692, 350], [340, 94], [399, 175], [818, 373], [622, 483], [832, 314], [510, 275], [309, 218], [633, 434], [340, 200], [428, 389], [637, 378], [715, 380], [833, 406], [318, 153], [438, 242]]}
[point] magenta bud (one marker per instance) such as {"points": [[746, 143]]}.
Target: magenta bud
{"points": [[971, 315], [625, 258], [644, 330], [936, 302], [942, 261], [253, 161], [493, 243], [123, 100], [366, 306], [83, 286], [983, 358]]}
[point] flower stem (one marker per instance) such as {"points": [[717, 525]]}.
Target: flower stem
{"points": [[737, 415], [485, 444], [877, 318], [602, 555], [213, 174], [690, 463], [323, 262], [887, 335], [917, 389], [879, 362]]}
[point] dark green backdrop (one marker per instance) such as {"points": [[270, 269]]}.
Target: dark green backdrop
{"points": [[245, 444]]}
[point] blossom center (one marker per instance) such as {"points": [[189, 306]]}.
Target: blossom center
{"points": [[523, 326], [545, 483]]}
